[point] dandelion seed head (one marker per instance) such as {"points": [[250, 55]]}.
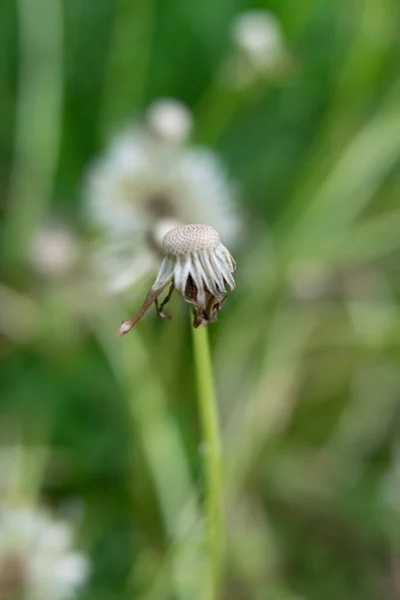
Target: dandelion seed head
{"points": [[258, 34], [259, 50], [139, 189], [199, 267], [37, 559], [170, 120], [136, 184]]}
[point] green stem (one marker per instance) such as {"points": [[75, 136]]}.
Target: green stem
{"points": [[214, 112], [38, 123], [132, 37], [212, 460]]}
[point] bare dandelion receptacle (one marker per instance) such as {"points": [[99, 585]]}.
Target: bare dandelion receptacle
{"points": [[199, 267]]}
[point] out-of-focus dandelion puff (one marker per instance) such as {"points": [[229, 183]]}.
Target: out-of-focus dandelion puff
{"points": [[199, 267], [55, 252], [260, 49], [36, 557], [146, 184], [170, 120]]}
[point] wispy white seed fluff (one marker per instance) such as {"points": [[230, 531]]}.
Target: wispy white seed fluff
{"points": [[139, 182], [144, 182], [37, 560]]}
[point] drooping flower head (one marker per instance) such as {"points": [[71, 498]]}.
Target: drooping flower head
{"points": [[199, 267]]}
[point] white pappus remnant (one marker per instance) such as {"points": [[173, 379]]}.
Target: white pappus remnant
{"points": [[199, 267], [37, 560]]}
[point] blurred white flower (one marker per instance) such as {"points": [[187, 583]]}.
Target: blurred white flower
{"points": [[143, 186], [259, 47], [54, 252], [36, 557], [170, 120]]}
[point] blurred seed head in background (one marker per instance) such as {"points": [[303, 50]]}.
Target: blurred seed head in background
{"points": [[170, 121], [55, 251], [259, 49], [148, 181], [37, 559]]}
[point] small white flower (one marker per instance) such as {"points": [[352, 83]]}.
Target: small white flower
{"points": [[36, 557], [260, 47], [54, 252], [144, 184], [199, 267], [258, 33], [170, 120]]}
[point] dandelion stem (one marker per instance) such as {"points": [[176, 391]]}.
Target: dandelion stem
{"points": [[212, 460]]}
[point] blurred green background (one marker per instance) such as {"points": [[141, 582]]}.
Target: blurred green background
{"points": [[306, 352]]}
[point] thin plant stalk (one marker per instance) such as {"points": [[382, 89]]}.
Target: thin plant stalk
{"points": [[130, 51], [38, 123], [164, 452], [212, 461]]}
